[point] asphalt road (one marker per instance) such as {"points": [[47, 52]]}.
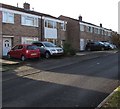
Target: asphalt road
{"points": [[78, 84]]}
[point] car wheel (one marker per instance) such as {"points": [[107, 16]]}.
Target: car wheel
{"points": [[89, 49], [23, 58], [47, 55], [8, 56], [102, 49]]}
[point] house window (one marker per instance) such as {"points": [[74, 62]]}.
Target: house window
{"points": [[89, 29], [102, 32], [50, 24], [96, 30], [8, 17], [109, 33], [82, 27], [62, 26], [99, 31], [29, 21], [105, 33]]}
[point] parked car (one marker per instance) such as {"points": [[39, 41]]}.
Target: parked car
{"points": [[96, 46], [24, 51], [111, 46], [48, 49]]}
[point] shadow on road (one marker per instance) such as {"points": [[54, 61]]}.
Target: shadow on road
{"points": [[25, 92]]}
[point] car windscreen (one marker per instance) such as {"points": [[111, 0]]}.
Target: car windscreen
{"points": [[31, 47], [47, 44]]}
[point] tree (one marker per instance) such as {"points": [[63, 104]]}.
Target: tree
{"points": [[116, 39]]}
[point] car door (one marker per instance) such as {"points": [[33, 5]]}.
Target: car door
{"points": [[19, 51], [13, 51]]}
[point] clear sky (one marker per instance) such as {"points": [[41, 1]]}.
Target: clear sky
{"points": [[92, 11]]}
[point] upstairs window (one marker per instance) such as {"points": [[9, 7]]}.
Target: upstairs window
{"points": [[50, 24], [29, 21], [8, 17], [62, 26], [82, 27], [109, 33], [89, 29], [99, 31], [96, 30], [106, 33], [102, 32]]}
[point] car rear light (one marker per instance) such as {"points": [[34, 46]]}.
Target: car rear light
{"points": [[27, 51]]}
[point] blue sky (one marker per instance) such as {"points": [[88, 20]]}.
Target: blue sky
{"points": [[92, 11]]}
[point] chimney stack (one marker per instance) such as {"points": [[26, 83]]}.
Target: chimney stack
{"points": [[26, 6], [100, 24], [80, 18]]}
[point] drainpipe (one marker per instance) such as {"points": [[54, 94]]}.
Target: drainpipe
{"points": [[41, 29]]}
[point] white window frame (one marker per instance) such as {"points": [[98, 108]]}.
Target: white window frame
{"points": [[29, 21], [96, 30], [53, 24], [63, 26], [99, 31], [109, 33], [105, 33], [90, 29], [82, 27], [7, 17]]}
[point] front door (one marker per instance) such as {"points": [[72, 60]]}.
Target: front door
{"points": [[6, 45], [82, 44]]}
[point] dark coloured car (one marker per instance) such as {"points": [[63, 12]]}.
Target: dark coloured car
{"points": [[96, 46], [111, 46], [24, 51]]}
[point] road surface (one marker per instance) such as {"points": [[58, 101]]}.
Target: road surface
{"points": [[79, 84]]}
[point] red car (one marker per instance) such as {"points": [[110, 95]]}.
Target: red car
{"points": [[24, 51]]}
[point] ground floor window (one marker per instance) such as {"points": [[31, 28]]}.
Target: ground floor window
{"points": [[28, 40]]}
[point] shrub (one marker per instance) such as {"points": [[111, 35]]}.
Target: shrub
{"points": [[68, 49]]}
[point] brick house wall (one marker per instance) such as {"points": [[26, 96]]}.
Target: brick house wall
{"points": [[93, 36], [17, 30], [72, 32], [79, 38], [61, 36]]}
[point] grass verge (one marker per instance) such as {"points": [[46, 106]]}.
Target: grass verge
{"points": [[113, 101]]}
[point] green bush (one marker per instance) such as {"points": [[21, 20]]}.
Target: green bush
{"points": [[68, 49]]}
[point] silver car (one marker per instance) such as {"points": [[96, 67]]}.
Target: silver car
{"points": [[48, 49]]}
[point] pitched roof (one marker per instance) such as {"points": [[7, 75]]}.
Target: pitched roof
{"points": [[83, 22], [26, 11]]}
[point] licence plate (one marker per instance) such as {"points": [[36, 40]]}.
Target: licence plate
{"points": [[33, 54]]}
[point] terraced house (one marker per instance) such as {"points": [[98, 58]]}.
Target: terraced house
{"points": [[80, 32], [22, 25]]}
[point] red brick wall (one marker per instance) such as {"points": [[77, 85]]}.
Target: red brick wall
{"points": [[17, 30], [72, 32]]}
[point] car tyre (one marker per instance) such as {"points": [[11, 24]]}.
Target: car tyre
{"points": [[102, 49], [89, 49], [8, 56], [23, 58], [47, 55]]}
